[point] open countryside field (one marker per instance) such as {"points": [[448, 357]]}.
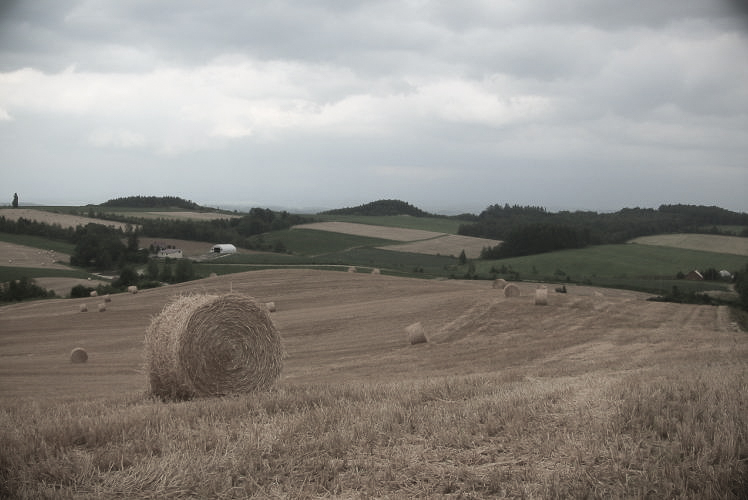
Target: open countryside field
{"points": [[64, 220], [706, 242], [598, 394], [419, 241]]}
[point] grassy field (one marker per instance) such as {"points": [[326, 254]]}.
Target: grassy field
{"points": [[8, 273], [615, 261], [599, 394], [436, 224], [38, 242]]}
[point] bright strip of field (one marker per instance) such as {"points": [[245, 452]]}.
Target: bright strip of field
{"points": [[448, 244], [706, 242], [371, 231], [64, 220]]}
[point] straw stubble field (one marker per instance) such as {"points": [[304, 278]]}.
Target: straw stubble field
{"points": [[597, 393]]}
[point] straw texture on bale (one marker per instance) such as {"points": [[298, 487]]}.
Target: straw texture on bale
{"points": [[210, 345], [416, 334], [78, 355], [132, 289], [499, 283], [84, 308], [512, 290], [541, 296]]}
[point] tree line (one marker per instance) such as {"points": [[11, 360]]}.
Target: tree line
{"points": [[527, 230]]}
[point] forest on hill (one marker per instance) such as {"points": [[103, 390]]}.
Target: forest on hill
{"points": [[153, 202], [382, 208], [527, 230]]}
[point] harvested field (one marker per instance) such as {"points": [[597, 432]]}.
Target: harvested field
{"points": [[63, 220], [426, 242], [705, 242], [22, 256], [183, 215], [338, 322], [448, 244], [384, 232]]}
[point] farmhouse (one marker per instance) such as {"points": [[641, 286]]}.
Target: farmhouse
{"points": [[170, 253], [223, 248]]}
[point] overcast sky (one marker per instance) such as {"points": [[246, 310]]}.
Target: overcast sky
{"points": [[451, 106]]}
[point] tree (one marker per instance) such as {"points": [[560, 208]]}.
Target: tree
{"points": [[741, 286], [152, 269], [15, 200], [184, 271]]}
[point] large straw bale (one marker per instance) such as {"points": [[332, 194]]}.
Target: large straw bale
{"points": [[512, 290], [83, 308], [94, 293], [499, 283], [208, 345], [541, 296], [416, 333], [132, 289], [78, 355]]}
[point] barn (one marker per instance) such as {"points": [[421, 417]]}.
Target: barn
{"points": [[694, 276], [223, 248]]}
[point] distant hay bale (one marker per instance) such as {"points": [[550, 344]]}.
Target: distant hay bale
{"points": [[102, 307], [351, 269], [512, 290], [93, 293], [210, 345], [416, 333], [375, 271], [132, 289], [78, 355], [83, 308], [107, 298], [541, 296], [499, 283], [270, 306], [212, 275]]}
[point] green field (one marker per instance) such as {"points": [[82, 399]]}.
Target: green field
{"points": [[8, 273], [436, 224], [38, 242], [311, 242]]}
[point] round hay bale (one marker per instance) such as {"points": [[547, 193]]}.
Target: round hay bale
{"points": [[132, 289], [93, 293], [351, 269], [376, 271], [416, 334], [78, 355], [541, 296], [512, 290], [83, 308], [102, 307], [212, 275], [270, 306], [107, 298], [210, 345], [499, 283]]}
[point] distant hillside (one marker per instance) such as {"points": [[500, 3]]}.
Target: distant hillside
{"points": [[153, 202], [382, 207]]}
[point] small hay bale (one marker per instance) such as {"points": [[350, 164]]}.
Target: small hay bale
{"points": [[94, 293], [270, 306], [376, 271], [212, 275], [211, 345], [102, 307], [107, 298], [541, 296], [499, 283], [132, 289], [83, 308], [416, 334], [78, 355], [351, 269], [512, 290]]}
